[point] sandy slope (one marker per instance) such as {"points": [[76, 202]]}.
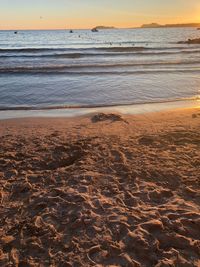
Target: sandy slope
{"points": [[101, 191]]}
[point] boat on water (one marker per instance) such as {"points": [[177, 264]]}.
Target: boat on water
{"points": [[71, 31]]}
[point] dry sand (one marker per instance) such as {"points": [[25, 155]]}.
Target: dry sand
{"points": [[103, 190]]}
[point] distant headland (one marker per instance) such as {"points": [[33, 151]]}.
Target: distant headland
{"points": [[156, 25], [105, 27]]}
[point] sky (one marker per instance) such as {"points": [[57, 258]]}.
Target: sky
{"points": [[84, 14]]}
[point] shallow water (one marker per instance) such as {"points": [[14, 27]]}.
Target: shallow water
{"points": [[45, 69]]}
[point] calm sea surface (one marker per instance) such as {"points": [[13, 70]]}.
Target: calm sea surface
{"points": [[56, 68]]}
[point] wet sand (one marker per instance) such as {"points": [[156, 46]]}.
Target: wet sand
{"points": [[101, 190]]}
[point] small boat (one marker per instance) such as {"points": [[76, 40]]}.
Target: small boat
{"points": [[94, 30], [16, 32], [71, 31]]}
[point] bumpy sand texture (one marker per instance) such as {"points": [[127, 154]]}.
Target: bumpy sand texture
{"points": [[101, 191]]}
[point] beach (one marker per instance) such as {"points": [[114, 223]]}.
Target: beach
{"points": [[104, 189]]}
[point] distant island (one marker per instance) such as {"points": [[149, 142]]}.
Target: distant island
{"points": [[104, 28], [151, 25], [156, 25]]}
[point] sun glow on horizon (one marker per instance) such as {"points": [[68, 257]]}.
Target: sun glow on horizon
{"points": [[84, 14]]}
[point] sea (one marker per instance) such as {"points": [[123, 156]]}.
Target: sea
{"points": [[55, 69]]}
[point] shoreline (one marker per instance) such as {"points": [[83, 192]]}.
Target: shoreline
{"points": [[81, 111]]}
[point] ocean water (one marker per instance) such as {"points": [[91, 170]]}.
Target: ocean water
{"points": [[48, 69]]}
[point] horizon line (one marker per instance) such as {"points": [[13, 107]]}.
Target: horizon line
{"points": [[113, 27]]}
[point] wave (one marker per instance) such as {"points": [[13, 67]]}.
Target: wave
{"points": [[88, 106], [93, 54], [29, 50], [110, 48], [97, 66], [123, 49], [32, 50], [64, 71]]}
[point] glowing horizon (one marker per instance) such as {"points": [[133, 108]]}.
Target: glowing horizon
{"points": [[85, 14]]}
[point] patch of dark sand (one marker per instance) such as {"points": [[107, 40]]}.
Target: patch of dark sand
{"points": [[106, 117]]}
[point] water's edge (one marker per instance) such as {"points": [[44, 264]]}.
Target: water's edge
{"points": [[74, 112]]}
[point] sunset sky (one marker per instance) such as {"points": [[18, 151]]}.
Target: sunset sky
{"points": [[60, 14]]}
